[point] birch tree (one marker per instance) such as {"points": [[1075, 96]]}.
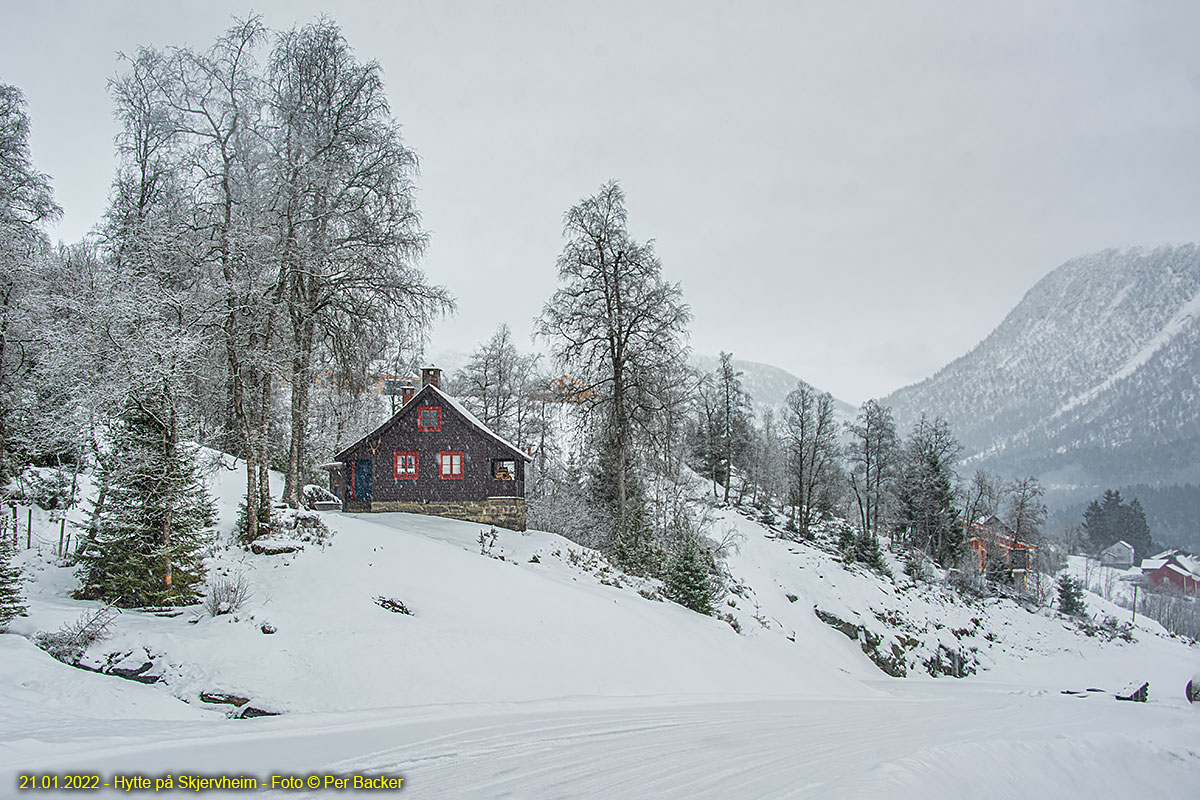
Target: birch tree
{"points": [[344, 223], [26, 203], [617, 326]]}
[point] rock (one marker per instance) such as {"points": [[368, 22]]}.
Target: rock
{"points": [[223, 698], [268, 628], [274, 548]]}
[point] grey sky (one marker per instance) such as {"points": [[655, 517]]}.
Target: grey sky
{"points": [[855, 192]]}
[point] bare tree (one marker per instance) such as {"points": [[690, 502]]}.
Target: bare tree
{"points": [[501, 386], [617, 326], [1025, 513], [812, 435], [873, 454]]}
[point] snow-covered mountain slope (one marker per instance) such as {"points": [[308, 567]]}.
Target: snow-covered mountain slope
{"points": [[768, 385], [1093, 379], [531, 668]]}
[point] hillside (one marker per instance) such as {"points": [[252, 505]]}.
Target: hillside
{"points": [[1092, 380], [532, 645]]}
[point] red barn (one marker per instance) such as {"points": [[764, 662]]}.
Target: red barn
{"points": [[434, 457], [1173, 570]]}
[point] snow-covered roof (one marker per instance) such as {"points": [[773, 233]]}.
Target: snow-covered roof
{"points": [[460, 408], [1181, 571], [1151, 564], [1124, 545]]}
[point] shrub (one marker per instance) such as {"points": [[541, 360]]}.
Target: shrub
{"points": [[226, 595], [69, 642]]}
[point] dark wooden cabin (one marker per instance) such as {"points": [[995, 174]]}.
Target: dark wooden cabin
{"points": [[434, 457]]}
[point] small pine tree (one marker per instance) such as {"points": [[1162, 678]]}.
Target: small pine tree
{"points": [[12, 605], [1070, 596], [687, 581], [145, 545]]}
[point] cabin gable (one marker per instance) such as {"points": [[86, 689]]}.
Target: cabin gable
{"points": [[434, 457]]}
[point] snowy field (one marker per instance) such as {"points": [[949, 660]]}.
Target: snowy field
{"points": [[537, 671]]}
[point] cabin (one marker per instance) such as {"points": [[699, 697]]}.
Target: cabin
{"points": [[992, 541], [433, 457], [1118, 555], [1173, 570]]}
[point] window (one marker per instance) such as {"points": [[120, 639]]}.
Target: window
{"points": [[429, 418], [450, 465], [504, 470], [405, 465]]}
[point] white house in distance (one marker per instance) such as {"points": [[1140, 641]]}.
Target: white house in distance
{"points": [[1119, 555]]}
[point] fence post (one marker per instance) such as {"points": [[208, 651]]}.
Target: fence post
{"points": [[62, 530], [29, 529]]}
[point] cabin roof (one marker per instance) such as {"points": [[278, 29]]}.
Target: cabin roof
{"points": [[453, 403]]}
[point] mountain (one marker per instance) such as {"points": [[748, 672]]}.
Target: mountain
{"points": [[1092, 380], [768, 386]]}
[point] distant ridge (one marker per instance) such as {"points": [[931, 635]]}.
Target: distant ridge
{"points": [[1092, 380]]}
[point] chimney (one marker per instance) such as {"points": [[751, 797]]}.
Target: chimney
{"points": [[431, 376], [406, 393]]}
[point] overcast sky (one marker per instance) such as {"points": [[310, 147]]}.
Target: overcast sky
{"points": [[855, 192]]}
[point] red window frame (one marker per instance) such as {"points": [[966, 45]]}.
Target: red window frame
{"points": [[427, 428], [442, 463], [416, 465]]}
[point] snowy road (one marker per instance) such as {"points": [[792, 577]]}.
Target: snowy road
{"points": [[931, 741]]}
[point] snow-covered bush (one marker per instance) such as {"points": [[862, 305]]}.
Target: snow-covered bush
{"points": [[69, 642], [226, 595], [313, 494]]}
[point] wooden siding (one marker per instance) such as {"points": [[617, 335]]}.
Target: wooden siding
{"points": [[400, 434]]}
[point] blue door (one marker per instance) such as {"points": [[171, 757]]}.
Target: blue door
{"points": [[362, 479]]}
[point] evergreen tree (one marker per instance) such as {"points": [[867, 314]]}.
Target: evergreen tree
{"points": [[12, 604], [687, 579], [147, 534], [1070, 596], [1110, 520]]}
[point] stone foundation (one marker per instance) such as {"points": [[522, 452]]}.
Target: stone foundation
{"points": [[503, 512]]}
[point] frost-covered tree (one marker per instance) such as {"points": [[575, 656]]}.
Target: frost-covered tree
{"points": [[345, 230], [619, 329], [146, 543], [26, 203], [812, 435]]}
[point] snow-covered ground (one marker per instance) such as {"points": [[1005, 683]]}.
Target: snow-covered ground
{"points": [[535, 670]]}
